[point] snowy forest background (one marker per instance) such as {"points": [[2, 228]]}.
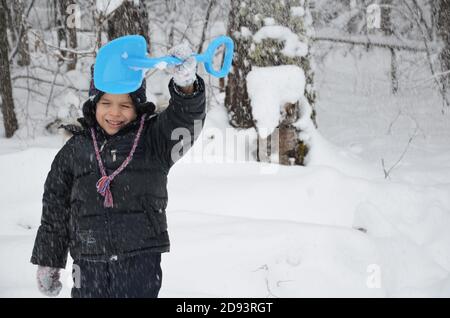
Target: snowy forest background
{"points": [[323, 168]]}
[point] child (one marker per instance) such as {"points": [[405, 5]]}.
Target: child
{"points": [[105, 195]]}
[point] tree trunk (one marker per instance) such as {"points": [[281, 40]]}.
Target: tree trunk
{"points": [[211, 4], [59, 22], [10, 24], [9, 115], [71, 35], [66, 31], [129, 19], [386, 27], [23, 49], [237, 101], [97, 21], [443, 31]]}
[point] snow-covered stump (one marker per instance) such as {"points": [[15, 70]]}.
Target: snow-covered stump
{"points": [[270, 34], [276, 110]]}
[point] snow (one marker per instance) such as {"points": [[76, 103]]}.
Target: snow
{"points": [[269, 21], [250, 243], [245, 229], [297, 11], [161, 65], [269, 89], [293, 46], [373, 16], [245, 32], [108, 6]]}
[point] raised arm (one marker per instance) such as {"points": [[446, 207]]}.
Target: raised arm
{"points": [[178, 126]]}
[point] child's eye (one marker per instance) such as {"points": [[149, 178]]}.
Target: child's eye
{"points": [[126, 106]]}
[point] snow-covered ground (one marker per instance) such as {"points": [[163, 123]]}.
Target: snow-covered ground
{"points": [[242, 229]]}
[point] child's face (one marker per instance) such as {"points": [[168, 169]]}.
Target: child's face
{"points": [[114, 111]]}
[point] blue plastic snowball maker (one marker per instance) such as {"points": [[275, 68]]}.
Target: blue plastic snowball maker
{"points": [[121, 64]]}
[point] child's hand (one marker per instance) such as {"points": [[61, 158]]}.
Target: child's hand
{"points": [[183, 74], [48, 281]]}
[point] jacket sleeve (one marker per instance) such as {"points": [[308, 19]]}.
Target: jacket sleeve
{"points": [[178, 126], [52, 240]]}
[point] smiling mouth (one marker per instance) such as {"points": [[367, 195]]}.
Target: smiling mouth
{"points": [[114, 123]]}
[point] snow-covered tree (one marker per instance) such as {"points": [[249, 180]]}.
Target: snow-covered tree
{"points": [[267, 34], [129, 18], [236, 96], [7, 102]]}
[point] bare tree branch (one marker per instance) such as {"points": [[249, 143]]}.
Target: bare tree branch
{"points": [[51, 89], [89, 52], [47, 82], [16, 48], [205, 25], [367, 42], [439, 84], [387, 172]]}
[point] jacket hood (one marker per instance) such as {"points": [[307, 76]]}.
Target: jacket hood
{"points": [[88, 120]]}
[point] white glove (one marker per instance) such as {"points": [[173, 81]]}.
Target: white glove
{"points": [[183, 74], [48, 281]]}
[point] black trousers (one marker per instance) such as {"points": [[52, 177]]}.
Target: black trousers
{"points": [[137, 276]]}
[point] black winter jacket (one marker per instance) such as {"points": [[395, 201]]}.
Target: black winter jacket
{"points": [[73, 216]]}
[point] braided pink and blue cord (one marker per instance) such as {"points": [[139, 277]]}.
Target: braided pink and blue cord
{"points": [[103, 184]]}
